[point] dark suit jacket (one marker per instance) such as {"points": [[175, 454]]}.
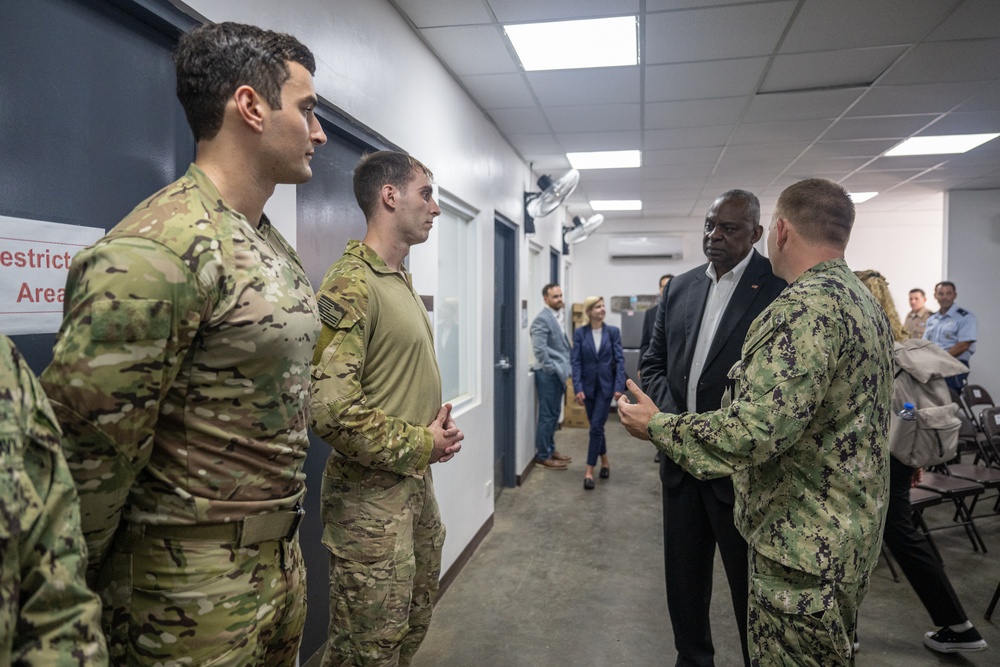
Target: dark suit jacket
{"points": [[667, 362], [648, 322], [604, 367]]}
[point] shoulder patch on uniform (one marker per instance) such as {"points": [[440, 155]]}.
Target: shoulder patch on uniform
{"points": [[330, 311], [962, 311], [130, 320]]}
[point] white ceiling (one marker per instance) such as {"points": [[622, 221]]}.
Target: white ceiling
{"points": [[755, 94]]}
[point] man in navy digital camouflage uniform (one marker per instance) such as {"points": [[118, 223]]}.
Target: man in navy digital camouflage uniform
{"points": [[805, 437]]}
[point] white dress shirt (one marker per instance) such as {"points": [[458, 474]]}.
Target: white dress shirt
{"points": [[719, 295], [596, 333]]}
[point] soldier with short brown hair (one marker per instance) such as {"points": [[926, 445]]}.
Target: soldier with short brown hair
{"points": [[377, 402], [181, 375]]}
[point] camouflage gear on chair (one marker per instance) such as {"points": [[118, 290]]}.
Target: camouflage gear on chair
{"points": [[48, 617], [805, 438], [181, 371], [375, 386]]}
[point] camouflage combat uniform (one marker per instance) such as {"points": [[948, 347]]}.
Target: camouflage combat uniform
{"points": [[48, 617], [375, 386], [181, 378], [805, 441]]}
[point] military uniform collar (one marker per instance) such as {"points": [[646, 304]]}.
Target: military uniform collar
{"points": [[370, 257], [210, 192], [838, 265]]}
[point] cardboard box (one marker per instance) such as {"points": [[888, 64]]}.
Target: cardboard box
{"points": [[574, 416]]}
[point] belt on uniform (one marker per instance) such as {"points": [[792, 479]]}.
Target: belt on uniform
{"points": [[281, 525]]}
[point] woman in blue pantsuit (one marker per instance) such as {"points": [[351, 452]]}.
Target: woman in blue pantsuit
{"points": [[598, 378]]}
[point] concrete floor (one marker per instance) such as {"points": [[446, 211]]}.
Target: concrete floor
{"points": [[574, 577]]}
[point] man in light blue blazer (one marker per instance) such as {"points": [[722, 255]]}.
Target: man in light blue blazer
{"points": [[552, 368]]}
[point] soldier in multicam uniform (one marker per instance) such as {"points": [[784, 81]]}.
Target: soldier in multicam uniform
{"points": [[181, 375], [47, 614], [377, 402], [805, 437]]}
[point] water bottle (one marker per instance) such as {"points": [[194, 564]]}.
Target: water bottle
{"points": [[632, 302], [908, 413]]}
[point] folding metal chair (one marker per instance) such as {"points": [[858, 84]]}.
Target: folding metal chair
{"points": [[956, 490], [919, 500]]}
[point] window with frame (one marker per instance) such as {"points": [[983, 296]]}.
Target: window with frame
{"points": [[457, 300]]}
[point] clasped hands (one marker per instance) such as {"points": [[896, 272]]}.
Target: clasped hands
{"points": [[447, 436]]}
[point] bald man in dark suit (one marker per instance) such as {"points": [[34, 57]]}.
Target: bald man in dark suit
{"points": [[702, 319]]}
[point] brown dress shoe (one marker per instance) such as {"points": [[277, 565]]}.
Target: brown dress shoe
{"points": [[551, 464], [561, 457]]}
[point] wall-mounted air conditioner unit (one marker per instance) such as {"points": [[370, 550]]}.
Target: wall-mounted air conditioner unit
{"points": [[645, 245]]}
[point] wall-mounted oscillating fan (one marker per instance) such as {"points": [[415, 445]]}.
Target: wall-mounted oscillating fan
{"points": [[580, 230], [554, 192]]}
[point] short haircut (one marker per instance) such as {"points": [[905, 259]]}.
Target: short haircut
{"points": [[746, 198], [212, 61], [666, 276], [383, 168], [547, 288], [820, 210], [917, 289], [946, 283]]}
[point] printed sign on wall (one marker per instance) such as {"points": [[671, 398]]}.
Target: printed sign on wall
{"points": [[35, 258]]}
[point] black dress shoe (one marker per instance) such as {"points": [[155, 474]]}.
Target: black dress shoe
{"points": [[605, 473], [588, 483]]}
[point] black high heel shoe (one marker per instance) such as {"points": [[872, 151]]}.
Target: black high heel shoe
{"points": [[588, 483], [605, 473]]}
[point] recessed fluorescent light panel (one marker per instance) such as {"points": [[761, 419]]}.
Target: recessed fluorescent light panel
{"points": [[858, 197], [616, 204], [953, 143], [605, 159], [607, 42]]}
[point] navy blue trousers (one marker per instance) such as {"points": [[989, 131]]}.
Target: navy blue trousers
{"points": [[598, 405]]}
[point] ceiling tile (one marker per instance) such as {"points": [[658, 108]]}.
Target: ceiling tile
{"points": [[877, 181], [926, 98], [689, 137], [695, 113], [597, 117], [818, 165], [692, 81], [681, 156], [878, 127], [859, 67], [523, 11], [499, 91], [472, 49], [605, 85], [715, 33], [824, 26], [599, 141], [867, 148], [973, 18], [520, 121], [940, 62], [535, 144], [665, 5], [444, 12], [979, 122], [909, 162], [680, 172], [800, 106], [987, 99], [763, 153], [764, 133]]}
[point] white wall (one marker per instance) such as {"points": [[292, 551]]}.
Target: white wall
{"points": [[373, 67], [972, 228]]}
